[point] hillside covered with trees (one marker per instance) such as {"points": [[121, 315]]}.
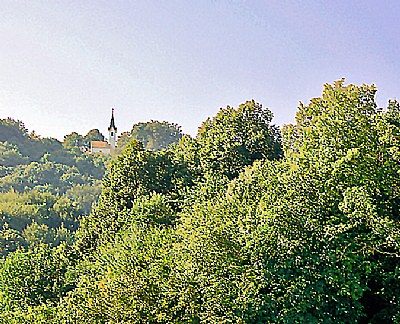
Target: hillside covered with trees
{"points": [[45, 187], [242, 224]]}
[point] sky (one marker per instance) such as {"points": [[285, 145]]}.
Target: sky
{"points": [[65, 63]]}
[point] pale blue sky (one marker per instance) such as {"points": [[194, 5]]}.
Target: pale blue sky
{"points": [[65, 63]]}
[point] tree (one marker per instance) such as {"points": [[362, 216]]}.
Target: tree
{"points": [[51, 145], [36, 216], [30, 146], [34, 206], [344, 150], [313, 237], [84, 196], [133, 174], [10, 156], [123, 140], [154, 135], [31, 282], [93, 135], [235, 138], [15, 133], [73, 140], [128, 280]]}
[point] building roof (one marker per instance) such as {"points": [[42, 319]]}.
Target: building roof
{"points": [[99, 144], [112, 123]]}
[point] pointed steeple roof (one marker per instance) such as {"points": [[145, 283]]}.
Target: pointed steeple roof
{"points": [[112, 123]]}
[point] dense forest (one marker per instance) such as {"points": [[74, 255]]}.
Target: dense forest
{"points": [[244, 223], [45, 187]]}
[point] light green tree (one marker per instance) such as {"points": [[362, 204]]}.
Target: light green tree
{"points": [[236, 137]]}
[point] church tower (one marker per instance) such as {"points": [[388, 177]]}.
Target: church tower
{"points": [[112, 132]]}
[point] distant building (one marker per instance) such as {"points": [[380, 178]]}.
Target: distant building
{"points": [[104, 147], [112, 132], [97, 146]]}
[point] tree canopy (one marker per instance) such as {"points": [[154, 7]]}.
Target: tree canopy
{"points": [[233, 226], [309, 238], [154, 135], [75, 140], [44, 188]]}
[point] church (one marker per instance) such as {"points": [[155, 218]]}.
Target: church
{"points": [[106, 147]]}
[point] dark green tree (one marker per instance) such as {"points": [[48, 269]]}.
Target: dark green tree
{"points": [[15, 133], [73, 140], [30, 146], [10, 155], [31, 283], [93, 135], [154, 135]]}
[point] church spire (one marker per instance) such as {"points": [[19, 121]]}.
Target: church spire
{"points": [[112, 123], [112, 132]]}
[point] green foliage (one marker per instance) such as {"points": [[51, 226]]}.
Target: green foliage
{"points": [[218, 229], [33, 172], [73, 140], [56, 178], [126, 280], [17, 143], [10, 239], [93, 135], [134, 174], [154, 135], [10, 156], [84, 196], [49, 154], [15, 133], [34, 217], [309, 239], [44, 189], [123, 140], [140, 193], [32, 280], [235, 138], [345, 180]]}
